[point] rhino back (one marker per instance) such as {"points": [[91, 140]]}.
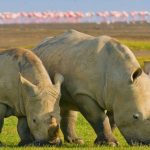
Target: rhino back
{"points": [[84, 61]]}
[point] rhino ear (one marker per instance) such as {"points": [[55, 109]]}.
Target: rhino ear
{"points": [[30, 88], [147, 67], [58, 80], [136, 74]]}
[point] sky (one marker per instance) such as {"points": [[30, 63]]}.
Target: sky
{"points": [[75, 5]]}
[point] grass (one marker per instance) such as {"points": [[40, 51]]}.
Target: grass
{"points": [[142, 59], [10, 138], [137, 44]]}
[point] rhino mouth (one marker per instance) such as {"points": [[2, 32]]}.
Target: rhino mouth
{"points": [[137, 142]]}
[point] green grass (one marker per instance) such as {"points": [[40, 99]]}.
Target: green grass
{"points": [[137, 44], [10, 138], [142, 59]]}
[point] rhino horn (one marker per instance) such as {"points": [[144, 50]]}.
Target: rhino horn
{"points": [[54, 132], [147, 67], [58, 80], [29, 87]]}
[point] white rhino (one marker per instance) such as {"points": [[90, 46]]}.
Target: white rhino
{"points": [[100, 75], [27, 92]]}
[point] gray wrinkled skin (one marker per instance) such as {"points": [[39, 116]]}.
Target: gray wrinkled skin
{"points": [[100, 75], [27, 92]]}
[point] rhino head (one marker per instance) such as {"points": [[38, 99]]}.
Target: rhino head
{"points": [[42, 110], [132, 106]]}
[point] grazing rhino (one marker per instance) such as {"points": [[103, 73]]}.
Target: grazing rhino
{"points": [[27, 92], [100, 75]]}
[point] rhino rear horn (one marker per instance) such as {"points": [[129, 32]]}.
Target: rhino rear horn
{"points": [[29, 87], [147, 67], [58, 80]]}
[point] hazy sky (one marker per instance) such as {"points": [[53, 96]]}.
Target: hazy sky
{"points": [[65, 5]]}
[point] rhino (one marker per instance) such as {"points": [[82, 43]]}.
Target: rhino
{"points": [[27, 92], [103, 81]]}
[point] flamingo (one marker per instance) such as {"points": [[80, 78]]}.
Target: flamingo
{"points": [[74, 17]]}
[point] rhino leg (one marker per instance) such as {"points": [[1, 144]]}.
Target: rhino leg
{"points": [[3, 111], [111, 120], [97, 118], [24, 132], [68, 121]]}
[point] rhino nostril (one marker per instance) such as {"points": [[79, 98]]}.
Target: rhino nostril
{"points": [[136, 116]]}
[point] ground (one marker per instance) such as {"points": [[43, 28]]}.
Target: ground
{"points": [[135, 36]]}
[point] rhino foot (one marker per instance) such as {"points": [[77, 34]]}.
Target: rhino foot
{"points": [[74, 140], [113, 142]]}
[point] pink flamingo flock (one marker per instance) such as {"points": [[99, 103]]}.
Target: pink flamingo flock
{"points": [[74, 17]]}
